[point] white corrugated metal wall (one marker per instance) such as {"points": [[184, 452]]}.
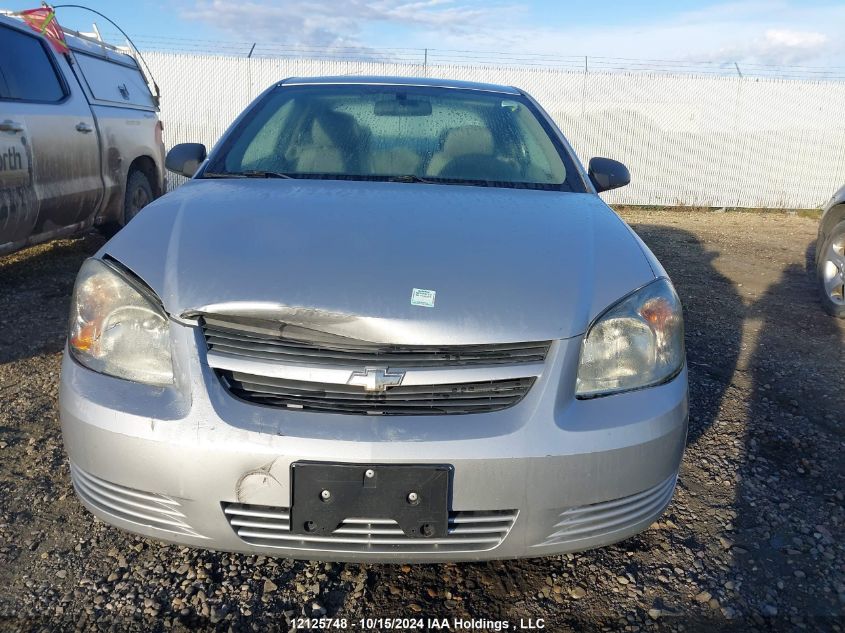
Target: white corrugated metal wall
{"points": [[687, 139]]}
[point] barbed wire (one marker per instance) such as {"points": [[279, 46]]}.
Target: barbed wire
{"points": [[451, 57]]}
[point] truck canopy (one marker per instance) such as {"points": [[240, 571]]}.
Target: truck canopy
{"points": [[110, 74]]}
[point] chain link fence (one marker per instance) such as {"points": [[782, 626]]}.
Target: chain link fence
{"points": [[688, 139]]}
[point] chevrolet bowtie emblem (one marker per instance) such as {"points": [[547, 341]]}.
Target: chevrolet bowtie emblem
{"points": [[376, 379]]}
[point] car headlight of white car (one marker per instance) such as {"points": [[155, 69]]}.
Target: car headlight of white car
{"points": [[638, 342], [118, 327]]}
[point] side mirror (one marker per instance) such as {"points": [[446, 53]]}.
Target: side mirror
{"points": [[606, 173], [185, 158]]}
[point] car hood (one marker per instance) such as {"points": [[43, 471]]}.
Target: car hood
{"points": [[344, 257]]}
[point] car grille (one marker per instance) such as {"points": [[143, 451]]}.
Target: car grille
{"points": [[470, 397], [606, 517], [146, 509], [268, 526], [264, 340]]}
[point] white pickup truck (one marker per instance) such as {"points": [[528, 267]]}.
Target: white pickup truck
{"points": [[80, 139]]}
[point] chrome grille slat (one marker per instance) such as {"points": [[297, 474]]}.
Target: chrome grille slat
{"points": [[607, 525], [137, 494], [260, 513], [364, 347], [410, 400], [351, 540], [347, 399], [371, 521], [133, 506], [306, 356], [300, 387], [256, 338], [607, 516], [468, 517], [119, 509], [606, 505], [601, 515], [128, 505], [379, 531], [279, 365], [494, 393], [468, 531], [259, 525], [459, 529]]}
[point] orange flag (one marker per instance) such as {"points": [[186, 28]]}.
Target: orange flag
{"points": [[44, 21]]}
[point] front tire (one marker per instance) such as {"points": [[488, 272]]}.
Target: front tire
{"points": [[139, 193], [830, 271]]}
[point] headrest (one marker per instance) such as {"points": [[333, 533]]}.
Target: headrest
{"points": [[333, 128], [469, 139]]}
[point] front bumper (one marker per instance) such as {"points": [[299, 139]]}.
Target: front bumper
{"points": [[192, 465]]}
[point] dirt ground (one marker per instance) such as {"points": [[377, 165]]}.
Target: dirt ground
{"points": [[753, 539]]}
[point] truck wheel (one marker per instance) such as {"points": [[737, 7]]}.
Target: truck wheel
{"points": [[831, 271], [139, 194]]}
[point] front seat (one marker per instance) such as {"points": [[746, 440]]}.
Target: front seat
{"points": [[461, 141], [335, 138]]}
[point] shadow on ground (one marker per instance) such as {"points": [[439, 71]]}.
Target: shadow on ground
{"points": [[789, 496]]}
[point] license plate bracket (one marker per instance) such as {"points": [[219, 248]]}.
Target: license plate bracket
{"points": [[326, 494]]}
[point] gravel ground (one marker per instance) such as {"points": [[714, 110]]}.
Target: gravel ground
{"points": [[752, 541]]}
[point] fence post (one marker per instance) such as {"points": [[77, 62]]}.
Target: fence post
{"points": [[425, 62], [249, 71], [584, 88]]}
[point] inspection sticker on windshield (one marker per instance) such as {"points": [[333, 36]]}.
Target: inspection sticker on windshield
{"points": [[424, 298]]}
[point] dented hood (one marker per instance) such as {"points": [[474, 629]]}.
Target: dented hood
{"points": [[344, 257]]}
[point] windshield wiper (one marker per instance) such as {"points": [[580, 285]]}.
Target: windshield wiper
{"points": [[253, 173], [460, 181], [409, 178], [436, 180], [218, 174]]}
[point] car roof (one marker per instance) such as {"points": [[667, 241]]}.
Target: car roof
{"points": [[400, 81]]}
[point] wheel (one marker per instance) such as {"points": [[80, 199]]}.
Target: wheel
{"points": [[830, 271], [139, 194]]}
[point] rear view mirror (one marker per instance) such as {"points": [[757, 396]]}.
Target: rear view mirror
{"points": [[606, 174], [402, 107], [185, 158]]}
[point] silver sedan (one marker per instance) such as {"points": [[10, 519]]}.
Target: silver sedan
{"points": [[386, 319]]}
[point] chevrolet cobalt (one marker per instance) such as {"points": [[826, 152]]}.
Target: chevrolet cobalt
{"points": [[386, 319]]}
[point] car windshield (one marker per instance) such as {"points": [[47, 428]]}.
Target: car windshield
{"points": [[397, 133]]}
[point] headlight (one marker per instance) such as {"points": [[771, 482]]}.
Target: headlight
{"points": [[636, 343], [116, 328]]}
